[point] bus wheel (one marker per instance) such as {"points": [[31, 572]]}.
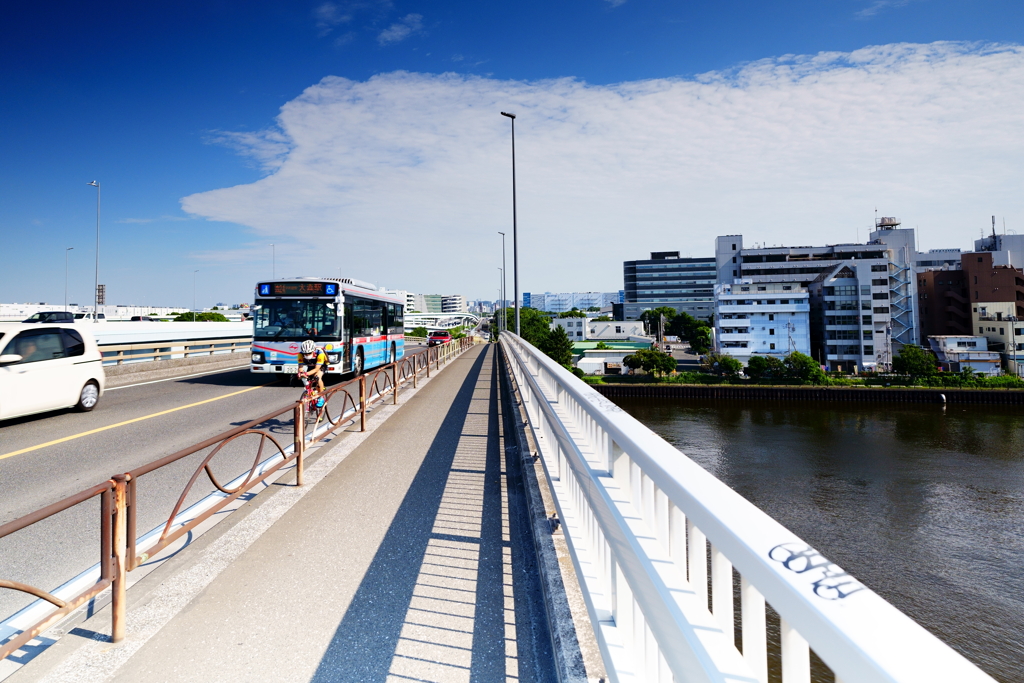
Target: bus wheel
{"points": [[357, 366]]}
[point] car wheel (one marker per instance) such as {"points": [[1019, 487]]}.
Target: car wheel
{"points": [[88, 398], [357, 367]]}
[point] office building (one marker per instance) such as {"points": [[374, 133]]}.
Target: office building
{"points": [[665, 279], [561, 302]]}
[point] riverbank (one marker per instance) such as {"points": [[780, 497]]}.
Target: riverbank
{"points": [[813, 393]]}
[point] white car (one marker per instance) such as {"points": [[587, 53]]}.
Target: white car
{"points": [[48, 367]]}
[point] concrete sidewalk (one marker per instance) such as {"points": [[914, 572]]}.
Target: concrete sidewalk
{"points": [[411, 560]]}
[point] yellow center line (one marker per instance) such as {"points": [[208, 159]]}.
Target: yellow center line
{"points": [[128, 422]]}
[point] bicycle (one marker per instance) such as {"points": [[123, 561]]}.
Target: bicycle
{"points": [[314, 401]]}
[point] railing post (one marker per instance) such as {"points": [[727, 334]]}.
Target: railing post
{"points": [[428, 361], [415, 370], [394, 381], [299, 420], [362, 403], [118, 588], [755, 632]]}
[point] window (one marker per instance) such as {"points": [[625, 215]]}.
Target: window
{"points": [[881, 310], [367, 318], [771, 331], [734, 273], [869, 350], [771, 302], [979, 261], [786, 288], [771, 316], [880, 268], [865, 289], [1002, 331], [981, 330], [734, 259], [976, 277], [36, 345], [618, 330], [975, 294], [880, 295], [579, 334], [866, 319], [867, 335], [744, 289], [880, 283], [771, 346], [783, 301], [734, 247], [762, 289], [73, 343]]}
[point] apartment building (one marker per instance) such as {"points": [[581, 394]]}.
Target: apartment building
{"points": [[769, 319], [560, 302]]}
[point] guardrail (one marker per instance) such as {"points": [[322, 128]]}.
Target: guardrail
{"points": [[122, 551], [116, 353], [644, 524]]}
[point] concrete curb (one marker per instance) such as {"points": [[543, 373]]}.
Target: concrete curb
{"points": [[574, 646], [129, 373]]}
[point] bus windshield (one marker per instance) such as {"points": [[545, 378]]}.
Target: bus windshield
{"points": [[296, 320]]}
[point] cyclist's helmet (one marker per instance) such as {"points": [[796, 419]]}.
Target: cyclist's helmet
{"points": [[308, 347]]}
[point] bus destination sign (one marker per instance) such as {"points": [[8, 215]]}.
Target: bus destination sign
{"points": [[298, 289]]}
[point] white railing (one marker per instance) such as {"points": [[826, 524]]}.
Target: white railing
{"points": [[642, 520]]}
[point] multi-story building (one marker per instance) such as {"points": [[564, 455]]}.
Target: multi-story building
{"points": [[873, 282], [582, 329], [964, 352], [770, 319], [942, 303], [453, 303], [996, 296], [561, 302], [665, 279]]}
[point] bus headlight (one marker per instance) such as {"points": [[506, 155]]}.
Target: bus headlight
{"points": [[257, 357], [334, 357]]}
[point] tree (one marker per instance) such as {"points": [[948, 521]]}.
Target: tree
{"points": [[766, 367], [574, 313], [651, 361], [594, 309], [603, 319], [601, 346], [532, 323], [700, 341], [557, 346], [419, 332], [207, 316], [914, 361], [721, 364], [804, 368]]}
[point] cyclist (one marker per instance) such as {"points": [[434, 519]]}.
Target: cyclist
{"points": [[313, 362]]}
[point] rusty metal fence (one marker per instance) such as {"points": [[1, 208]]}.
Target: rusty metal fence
{"points": [[119, 544]]}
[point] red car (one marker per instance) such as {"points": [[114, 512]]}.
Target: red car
{"points": [[439, 337]]}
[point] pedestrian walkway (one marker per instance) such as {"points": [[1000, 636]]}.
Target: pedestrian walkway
{"points": [[411, 560]]}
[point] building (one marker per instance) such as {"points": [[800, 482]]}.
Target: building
{"points": [[770, 319], [996, 298], [874, 281], [454, 303], [665, 279], [575, 328], [963, 352], [566, 301], [581, 330], [942, 304]]}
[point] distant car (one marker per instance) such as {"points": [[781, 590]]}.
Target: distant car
{"points": [[439, 337], [144, 318], [48, 367], [89, 316], [51, 317]]}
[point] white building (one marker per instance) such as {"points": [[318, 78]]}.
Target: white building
{"points": [[766, 318], [582, 329], [453, 303], [561, 302], [959, 353]]}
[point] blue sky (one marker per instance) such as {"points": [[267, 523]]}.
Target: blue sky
{"points": [[218, 128]]}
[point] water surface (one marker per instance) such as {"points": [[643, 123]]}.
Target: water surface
{"points": [[923, 504]]}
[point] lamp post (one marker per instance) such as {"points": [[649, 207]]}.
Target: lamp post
{"points": [[1013, 344], [501, 297], [515, 232], [194, 295], [273, 261], [503, 287], [66, 277], [96, 290]]}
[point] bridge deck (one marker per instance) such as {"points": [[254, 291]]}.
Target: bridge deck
{"points": [[410, 561]]}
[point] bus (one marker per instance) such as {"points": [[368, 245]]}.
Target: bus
{"points": [[357, 326]]}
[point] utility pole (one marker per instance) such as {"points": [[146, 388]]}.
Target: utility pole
{"points": [[96, 291]]}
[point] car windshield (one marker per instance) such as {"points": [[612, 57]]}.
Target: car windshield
{"points": [[295, 320]]}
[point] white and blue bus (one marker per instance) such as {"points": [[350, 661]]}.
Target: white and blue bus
{"points": [[357, 326]]}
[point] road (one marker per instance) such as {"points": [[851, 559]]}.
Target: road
{"points": [[131, 426]]}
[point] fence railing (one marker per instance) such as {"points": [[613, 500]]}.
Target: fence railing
{"points": [[661, 548], [165, 350], [121, 550]]}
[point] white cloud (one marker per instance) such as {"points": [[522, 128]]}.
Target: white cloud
{"points": [[328, 15], [402, 29], [160, 219], [879, 5], [404, 179]]}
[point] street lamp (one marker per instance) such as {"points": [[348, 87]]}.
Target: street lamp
{"points": [[515, 239], [194, 295], [66, 277], [1013, 344], [96, 291], [501, 297], [504, 289]]}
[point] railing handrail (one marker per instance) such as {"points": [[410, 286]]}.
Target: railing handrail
{"points": [[138, 346], [860, 636]]}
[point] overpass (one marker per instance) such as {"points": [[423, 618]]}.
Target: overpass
{"points": [[492, 517], [440, 321]]}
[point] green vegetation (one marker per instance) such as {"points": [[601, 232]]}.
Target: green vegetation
{"points": [[594, 309], [601, 346], [206, 316], [418, 332], [719, 364], [557, 346], [651, 361], [603, 319], [574, 313], [914, 361]]}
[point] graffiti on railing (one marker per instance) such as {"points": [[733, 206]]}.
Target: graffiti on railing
{"points": [[830, 581]]}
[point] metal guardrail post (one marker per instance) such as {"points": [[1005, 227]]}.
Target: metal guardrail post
{"points": [[119, 584], [394, 383], [362, 403], [428, 362], [299, 420], [415, 370]]}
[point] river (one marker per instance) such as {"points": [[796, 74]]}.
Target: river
{"points": [[924, 504]]}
